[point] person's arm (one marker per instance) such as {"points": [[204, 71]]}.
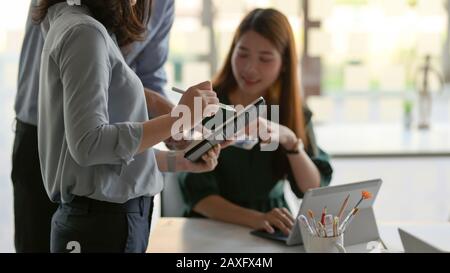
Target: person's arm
{"points": [[218, 208], [176, 162], [305, 172], [152, 58], [157, 104], [83, 62], [202, 194], [160, 128], [319, 158], [85, 69]]}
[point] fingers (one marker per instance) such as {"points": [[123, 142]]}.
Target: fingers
{"points": [[288, 214], [208, 163], [177, 145], [211, 109], [208, 93], [264, 130], [217, 148], [212, 100], [279, 224], [211, 157], [285, 219], [209, 99], [205, 90], [281, 219], [211, 154], [207, 106], [211, 106], [268, 228], [259, 128], [206, 85], [214, 154], [207, 157]]}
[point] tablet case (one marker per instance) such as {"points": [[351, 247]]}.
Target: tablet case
{"points": [[239, 121]]}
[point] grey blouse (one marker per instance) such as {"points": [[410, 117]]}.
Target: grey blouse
{"points": [[90, 112]]}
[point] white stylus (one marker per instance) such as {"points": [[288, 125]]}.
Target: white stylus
{"points": [[221, 105]]}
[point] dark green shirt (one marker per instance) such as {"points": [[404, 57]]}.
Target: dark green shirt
{"points": [[246, 177]]}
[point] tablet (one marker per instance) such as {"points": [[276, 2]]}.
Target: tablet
{"points": [[225, 130]]}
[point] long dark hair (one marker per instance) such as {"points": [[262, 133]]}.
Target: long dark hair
{"points": [[274, 26], [128, 22]]}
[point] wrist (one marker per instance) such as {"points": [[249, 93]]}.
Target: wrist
{"points": [[172, 161], [289, 142], [256, 219], [295, 148], [181, 162]]}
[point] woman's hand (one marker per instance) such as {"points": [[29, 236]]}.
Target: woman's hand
{"points": [[185, 140], [208, 162], [208, 98], [177, 145], [279, 218], [270, 132]]}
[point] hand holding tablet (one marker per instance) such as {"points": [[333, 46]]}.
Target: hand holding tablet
{"points": [[224, 131]]}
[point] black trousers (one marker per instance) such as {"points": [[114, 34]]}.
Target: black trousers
{"points": [[33, 209], [90, 226]]}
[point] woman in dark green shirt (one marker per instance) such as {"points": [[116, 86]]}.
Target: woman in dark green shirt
{"points": [[246, 187]]}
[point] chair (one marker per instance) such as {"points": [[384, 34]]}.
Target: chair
{"points": [[172, 204]]}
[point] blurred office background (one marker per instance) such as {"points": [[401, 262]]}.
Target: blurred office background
{"points": [[362, 65]]}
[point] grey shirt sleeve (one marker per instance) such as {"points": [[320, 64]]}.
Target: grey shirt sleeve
{"points": [[150, 63], [29, 69], [85, 72]]}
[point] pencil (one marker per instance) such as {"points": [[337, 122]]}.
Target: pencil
{"points": [[344, 205], [335, 226], [221, 105], [348, 219], [324, 212], [323, 233], [313, 220]]}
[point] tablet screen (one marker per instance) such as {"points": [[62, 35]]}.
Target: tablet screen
{"points": [[226, 124]]}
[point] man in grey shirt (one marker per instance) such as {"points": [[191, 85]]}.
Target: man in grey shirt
{"points": [[32, 208]]}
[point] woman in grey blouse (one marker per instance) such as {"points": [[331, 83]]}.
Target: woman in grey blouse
{"points": [[95, 140]]}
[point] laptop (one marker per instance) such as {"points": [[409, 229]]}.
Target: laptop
{"points": [[413, 244], [363, 228]]}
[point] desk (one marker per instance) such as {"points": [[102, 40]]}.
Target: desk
{"points": [[187, 235]]}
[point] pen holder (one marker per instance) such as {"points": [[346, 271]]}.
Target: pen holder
{"points": [[325, 245]]}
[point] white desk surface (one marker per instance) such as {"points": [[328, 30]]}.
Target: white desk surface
{"points": [[187, 235]]}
